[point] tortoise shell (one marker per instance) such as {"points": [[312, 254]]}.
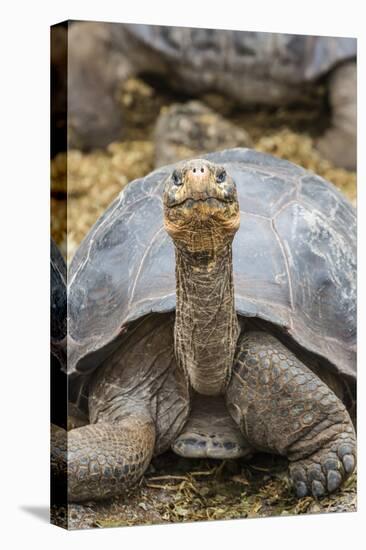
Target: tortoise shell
{"points": [[287, 58], [294, 262]]}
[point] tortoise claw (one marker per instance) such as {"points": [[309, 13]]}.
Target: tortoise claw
{"points": [[348, 463], [301, 489], [324, 471], [334, 480]]}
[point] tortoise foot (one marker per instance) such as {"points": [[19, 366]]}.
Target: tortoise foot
{"points": [[339, 147], [102, 460], [325, 471], [284, 408], [339, 143]]}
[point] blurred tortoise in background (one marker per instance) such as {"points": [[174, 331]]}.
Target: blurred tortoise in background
{"points": [[184, 337], [252, 68]]}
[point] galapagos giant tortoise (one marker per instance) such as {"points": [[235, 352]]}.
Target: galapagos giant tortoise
{"points": [[249, 67], [181, 339]]}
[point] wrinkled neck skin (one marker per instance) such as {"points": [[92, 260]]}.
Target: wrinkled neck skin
{"points": [[206, 325]]}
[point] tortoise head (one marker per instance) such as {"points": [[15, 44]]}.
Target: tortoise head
{"points": [[201, 209]]}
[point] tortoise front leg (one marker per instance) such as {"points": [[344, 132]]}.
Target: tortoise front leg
{"points": [[339, 143], [103, 459], [282, 407]]}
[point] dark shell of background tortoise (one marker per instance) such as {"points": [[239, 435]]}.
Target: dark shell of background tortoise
{"points": [[294, 260], [205, 54], [58, 304], [58, 359]]}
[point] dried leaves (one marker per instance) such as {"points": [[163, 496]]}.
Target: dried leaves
{"points": [[184, 490]]}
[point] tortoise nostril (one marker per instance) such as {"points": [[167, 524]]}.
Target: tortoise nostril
{"points": [[201, 169]]}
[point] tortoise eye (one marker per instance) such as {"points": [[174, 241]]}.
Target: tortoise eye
{"points": [[221, 176], [176, 178]]}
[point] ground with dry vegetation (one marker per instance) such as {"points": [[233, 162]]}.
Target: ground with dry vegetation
{"points": [[181, 490], [175, 489]]}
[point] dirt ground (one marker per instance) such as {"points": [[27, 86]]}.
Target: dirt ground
{"points": [[175, 489]]}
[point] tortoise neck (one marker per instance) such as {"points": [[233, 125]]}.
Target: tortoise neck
{"points": [[206, 326]]}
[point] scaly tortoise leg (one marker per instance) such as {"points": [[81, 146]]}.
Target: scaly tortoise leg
{"points": [[103, 459], [339, 143], [282, 407]]}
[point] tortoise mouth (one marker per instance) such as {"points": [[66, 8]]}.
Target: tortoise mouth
{"points": [[189, 202]]}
